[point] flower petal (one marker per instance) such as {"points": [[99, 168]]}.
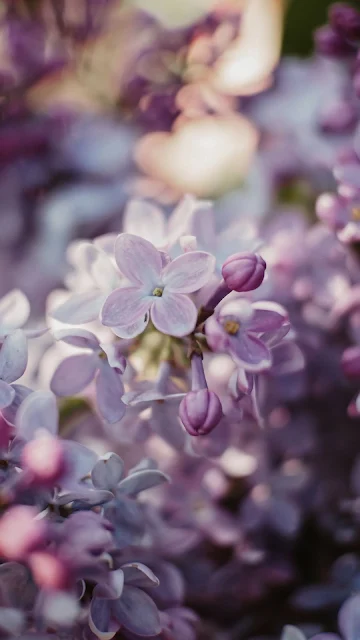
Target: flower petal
{"points": [[139, 575], [14, 310], [80, 308], [100, 621], [138, 260], [7, 394], [78, 338], [124, 307], [38, 411], [146, 220], [174, 314], [116, 358], [13, 356], [74, 374], [137, 612], [250, 352], [134, 329], [107, 472], [109, 392], [166, 422], [267, 316], [81, 460], [142, 480], [21, 392], [189, 272]]}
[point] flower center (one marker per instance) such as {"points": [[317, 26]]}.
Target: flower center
{"points": [[356, 214], [158, 291], [232, 327]]}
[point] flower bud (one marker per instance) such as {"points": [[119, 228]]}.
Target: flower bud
{"points": [[350, 362], [200, 411], [21, 533], [345, 20], [244, 271], [44, 458], [330, 43]]}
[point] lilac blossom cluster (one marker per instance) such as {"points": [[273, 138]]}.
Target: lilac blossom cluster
{"points": [[179, 432]]}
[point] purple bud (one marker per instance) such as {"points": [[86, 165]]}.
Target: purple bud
{"points": [[200, 411], [329, 42], [345, 20], [44, 458], [21, 533], [350, 362], [244, 271]]}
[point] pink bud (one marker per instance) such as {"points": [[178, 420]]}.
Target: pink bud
{"points": [[49, 572], [244, 271], [44, 458], [20, 532], [350, 362], [200, 411]]}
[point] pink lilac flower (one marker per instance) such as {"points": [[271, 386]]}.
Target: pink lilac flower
{"points": [[241, 329], [157, 292], [102, 362]]}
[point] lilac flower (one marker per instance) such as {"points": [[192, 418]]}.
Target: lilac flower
{"points": [[121, 603], [146, 220], [37, 419], [241, 329], [121, 509], [102, 362], [157, 292], [13, 362], [93, 278], [162, 400]]}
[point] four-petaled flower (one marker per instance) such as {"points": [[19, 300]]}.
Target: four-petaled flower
{"points": [[103, 362], [246, 331], [156, 291]]}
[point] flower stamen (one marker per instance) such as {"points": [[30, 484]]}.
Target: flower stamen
{"points": [[232, 327], [158, 291], [356, 214]]}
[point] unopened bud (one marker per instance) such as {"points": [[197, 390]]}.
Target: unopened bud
{"points": [[200, 411], [244, 271]]}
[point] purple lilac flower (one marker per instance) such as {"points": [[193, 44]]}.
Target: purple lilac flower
{"points": [[120, 508], [241, 329], [102, 362], [157, 292], [93, 278], [162, 399], [121, 603], [37, 427]]}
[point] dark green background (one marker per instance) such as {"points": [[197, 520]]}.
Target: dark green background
{"points": [[303, 16]]}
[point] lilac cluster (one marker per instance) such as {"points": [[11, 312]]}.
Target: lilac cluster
{"points": [[179, 431]]}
